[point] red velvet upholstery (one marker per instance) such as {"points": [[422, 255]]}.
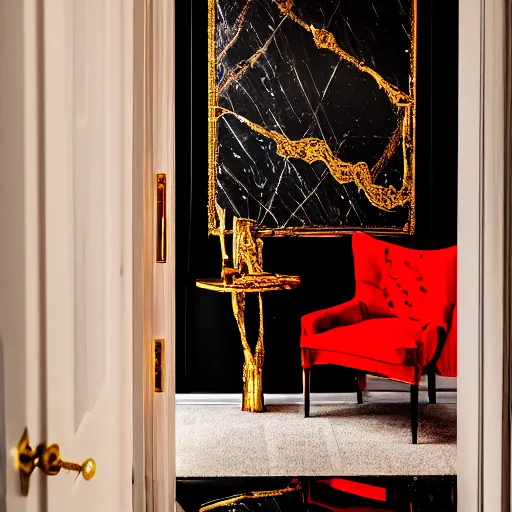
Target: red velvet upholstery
{"points": [[405, 304]]}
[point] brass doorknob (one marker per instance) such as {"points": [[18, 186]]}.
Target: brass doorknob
{"points": [[48, 460]]}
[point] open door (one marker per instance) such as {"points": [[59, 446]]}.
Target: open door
{"points": [[87, 165], [66, 273]]}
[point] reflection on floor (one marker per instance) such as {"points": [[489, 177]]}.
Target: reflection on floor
{"points": [[345, 439], [336, 494]]}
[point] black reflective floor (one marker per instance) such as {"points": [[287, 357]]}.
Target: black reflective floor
{"points": [[339, 494]]}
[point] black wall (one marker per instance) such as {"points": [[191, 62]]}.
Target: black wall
{"points": [[209, 355]]}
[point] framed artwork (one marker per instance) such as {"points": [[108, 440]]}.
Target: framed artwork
{"points": [[312, 115]]}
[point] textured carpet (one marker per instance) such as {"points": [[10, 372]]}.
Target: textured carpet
{"points": [[343, 439]]}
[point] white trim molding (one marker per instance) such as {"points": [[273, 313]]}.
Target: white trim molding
{"points": [[142, 477], [493, 250], [480, 255], [377, 389], [381, 384], [163, 153], [235, 399]]}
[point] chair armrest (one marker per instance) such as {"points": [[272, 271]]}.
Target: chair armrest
{"points": [[443, 319], [435, 335], [350, 312], [453, 319], [447, 363]]}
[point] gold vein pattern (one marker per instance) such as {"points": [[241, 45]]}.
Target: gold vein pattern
{"points": [[382, 196], [325, 39], [312, 150]]}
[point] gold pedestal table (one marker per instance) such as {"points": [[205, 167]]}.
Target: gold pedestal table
{"points": [[253, 365]]}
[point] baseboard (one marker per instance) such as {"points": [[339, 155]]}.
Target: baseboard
{"points": [[381, 384], [447, 397], [379, 388]]}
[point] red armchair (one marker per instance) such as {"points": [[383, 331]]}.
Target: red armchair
{"points": [[401, 324]]}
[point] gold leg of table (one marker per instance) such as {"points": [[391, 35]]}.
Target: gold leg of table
{"points": [[252, 400]]}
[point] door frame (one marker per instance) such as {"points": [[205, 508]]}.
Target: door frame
{"points": [[142, 286], [484, 343], [481, 235], [153, 152], [142, 283]]}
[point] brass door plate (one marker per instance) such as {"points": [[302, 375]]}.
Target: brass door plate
{"points": [[161, 218], [159, 364]]}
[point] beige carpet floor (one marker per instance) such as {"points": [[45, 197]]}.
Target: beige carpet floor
{"points": [[343, 439]]}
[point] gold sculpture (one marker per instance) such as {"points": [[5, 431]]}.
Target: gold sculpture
{"points": [[312, 149], [246, 276], [247, 256]]}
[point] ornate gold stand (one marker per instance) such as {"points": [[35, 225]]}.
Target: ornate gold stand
{"points": [[247, 276], [253, 364]]}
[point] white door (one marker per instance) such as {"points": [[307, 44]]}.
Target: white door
{"points": [[65, 311]]}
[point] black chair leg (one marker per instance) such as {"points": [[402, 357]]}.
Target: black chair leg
{"points": [[431, 376], [414, 413], [306, 385], [359, 391]]}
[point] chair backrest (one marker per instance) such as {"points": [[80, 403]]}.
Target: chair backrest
{"points": [[405, 283]]}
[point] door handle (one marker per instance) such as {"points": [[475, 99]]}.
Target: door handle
{"points": [[48, 460]]}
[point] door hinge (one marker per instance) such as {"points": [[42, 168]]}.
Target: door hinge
{"points": [[159, 363], [161, 218]]}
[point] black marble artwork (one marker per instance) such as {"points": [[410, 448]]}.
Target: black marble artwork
{"points": [[270, 71]]}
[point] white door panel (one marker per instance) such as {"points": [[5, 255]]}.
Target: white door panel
{"points": [[89, 194], [65, 301], [88, 409]]}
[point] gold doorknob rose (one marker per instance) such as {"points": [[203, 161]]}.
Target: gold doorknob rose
{"points": [[48, 460]]}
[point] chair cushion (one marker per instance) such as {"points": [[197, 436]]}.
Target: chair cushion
{"points": [[389, 340], [406, 283]]}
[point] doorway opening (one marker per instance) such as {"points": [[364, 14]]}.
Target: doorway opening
{"points": [[194, 361]]}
